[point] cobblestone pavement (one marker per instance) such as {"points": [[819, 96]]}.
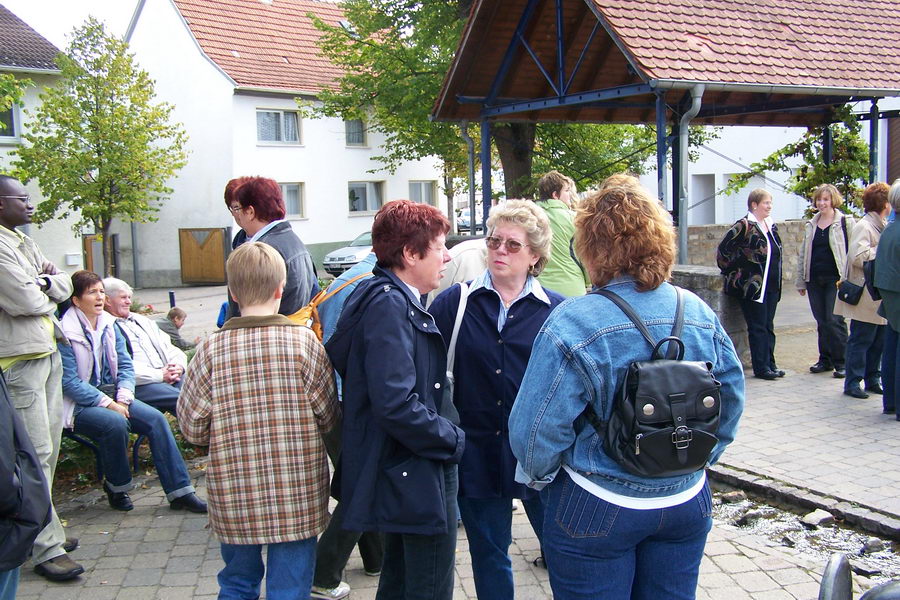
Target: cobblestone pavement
{"points": [[800, 431]]}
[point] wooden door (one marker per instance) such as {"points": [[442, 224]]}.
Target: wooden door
{"points": [[92, 248], [202, 255]]}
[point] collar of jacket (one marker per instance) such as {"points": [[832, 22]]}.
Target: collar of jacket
{"points": [[257, 321], [416, 302]]}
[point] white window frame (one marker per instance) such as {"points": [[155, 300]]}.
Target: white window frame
{"points": [[281, 142], [371, 186], [365, 138], [432, 186], [12, 135], [301, 194]]}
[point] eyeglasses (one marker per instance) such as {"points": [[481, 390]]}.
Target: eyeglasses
{"points": [[512, 246], [25, 199], [235, 209]]}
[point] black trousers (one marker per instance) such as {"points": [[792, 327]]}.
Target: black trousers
{"points": [[760, 317], [832, 328]]}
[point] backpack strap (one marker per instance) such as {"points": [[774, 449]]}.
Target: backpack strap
{"points": [[674, 337]]}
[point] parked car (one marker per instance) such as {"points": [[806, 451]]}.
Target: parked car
{"points": [[463, 221], [338, 261]]}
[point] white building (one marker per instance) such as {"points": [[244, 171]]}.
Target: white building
{"points": [[233, 69]]}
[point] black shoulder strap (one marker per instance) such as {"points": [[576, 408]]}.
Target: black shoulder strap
{"points": [[639, 323], [844, 228]]}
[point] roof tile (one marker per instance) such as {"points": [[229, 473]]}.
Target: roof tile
{"points": [[22, 47]]}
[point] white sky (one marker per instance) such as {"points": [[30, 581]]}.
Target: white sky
{"points": [[55, 19]]}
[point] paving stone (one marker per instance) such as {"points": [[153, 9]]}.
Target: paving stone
{"points": [[142, 577]]}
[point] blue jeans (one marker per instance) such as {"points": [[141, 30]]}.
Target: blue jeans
{"points": [[831, 328], [161, 396], [110, 431], [863, 354], [488, 524], [9, 584], [420, 567], [595, 549], [288, 570], [890, 369]]}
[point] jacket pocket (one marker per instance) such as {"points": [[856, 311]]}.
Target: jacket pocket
{"points": [[581, 514], [411, 493]]}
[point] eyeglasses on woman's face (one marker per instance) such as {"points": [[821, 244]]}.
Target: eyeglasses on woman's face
{"points": [[235, 209], [512, 246]]}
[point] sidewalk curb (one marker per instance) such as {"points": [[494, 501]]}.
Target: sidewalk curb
{"points": [[859, 515]]}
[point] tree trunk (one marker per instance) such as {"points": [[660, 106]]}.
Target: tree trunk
{"points": [[515, 145], [107, 249], [450, 192]]}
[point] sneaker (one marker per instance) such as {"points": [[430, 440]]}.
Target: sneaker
{"points": [[341, 591], [372, 573]]}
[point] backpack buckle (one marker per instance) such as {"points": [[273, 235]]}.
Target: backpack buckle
{"points": [[682, 437]]}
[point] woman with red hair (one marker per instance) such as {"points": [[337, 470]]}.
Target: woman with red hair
{"points": [[258, 208], [398, 468]]}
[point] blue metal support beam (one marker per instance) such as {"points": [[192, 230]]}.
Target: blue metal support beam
{"points": [[485, 174], [540, 67], [514, 43], [807, 102], [882, 114], [827, 146], [873, 141], [560, 51], [661, 147], [587, 45], [622, 91], [676, 166]]}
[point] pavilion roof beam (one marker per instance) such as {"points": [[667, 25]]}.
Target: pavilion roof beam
{"points": [[579, 98]]}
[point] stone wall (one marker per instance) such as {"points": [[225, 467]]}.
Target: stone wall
{"points": [[704, 239]]}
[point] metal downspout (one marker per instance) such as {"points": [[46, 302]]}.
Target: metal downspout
{"points": [[134, 256], [470, 143], [873, 141], [661, 149], [696, 96]]}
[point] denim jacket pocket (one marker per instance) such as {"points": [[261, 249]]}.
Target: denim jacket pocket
{"points": [[582, 514]]}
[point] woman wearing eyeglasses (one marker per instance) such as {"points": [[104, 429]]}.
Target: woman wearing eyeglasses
{"points": [[506, 307]]}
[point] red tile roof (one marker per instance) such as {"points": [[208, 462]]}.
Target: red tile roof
{"points": [[21, 47], [826, 43], [264, 44]]}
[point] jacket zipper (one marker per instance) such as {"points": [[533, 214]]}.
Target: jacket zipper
{"points": [[637, 443]]}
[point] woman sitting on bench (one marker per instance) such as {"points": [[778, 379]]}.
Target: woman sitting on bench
{"points": [[99, 402]]}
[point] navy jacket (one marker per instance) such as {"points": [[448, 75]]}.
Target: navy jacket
{"points": [[489, 368], [302, 282], [391, 358]]}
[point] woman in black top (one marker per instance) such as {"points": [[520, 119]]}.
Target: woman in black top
{"points": [[822, 258]]}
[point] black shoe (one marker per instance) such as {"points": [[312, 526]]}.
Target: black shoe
{"points": [[190, 503], [539, 562], [839, 373], [70, 545], [767, 375], [820, 367], [856, 393], [118, 500], [61, 568], [778, 372], [874, 388], [889, 411]]}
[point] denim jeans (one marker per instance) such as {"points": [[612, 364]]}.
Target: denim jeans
{"points": [[161, 396], [863, 354], [488, 523], [420, 567], [760, 318], [831, 328], [288, 570], [9, 584], [890, 369], [110, 430], [595, 549]]}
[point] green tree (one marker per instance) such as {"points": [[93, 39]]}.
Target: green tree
{"points": [[848, 169], [99, 146], [11, 92]]}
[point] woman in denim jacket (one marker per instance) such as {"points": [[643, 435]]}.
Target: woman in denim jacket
{"points": [[607, 533]]}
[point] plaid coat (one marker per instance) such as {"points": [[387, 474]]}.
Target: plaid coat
{"points": [[259, 393]]}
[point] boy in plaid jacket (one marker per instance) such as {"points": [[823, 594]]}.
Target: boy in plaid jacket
{"points": [[260, 392]]}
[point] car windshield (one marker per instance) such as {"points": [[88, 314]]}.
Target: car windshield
{"points": [[363, 240]]}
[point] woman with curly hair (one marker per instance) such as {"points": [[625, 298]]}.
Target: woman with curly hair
{"points": [[613, 534]]}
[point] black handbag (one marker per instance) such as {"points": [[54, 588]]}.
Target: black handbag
{"points": [[849, 292], [665, 410]]}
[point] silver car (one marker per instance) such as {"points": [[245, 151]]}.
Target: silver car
{"points": [[338, 261]]}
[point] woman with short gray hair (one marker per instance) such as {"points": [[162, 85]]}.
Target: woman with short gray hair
{"points": [[505, 308]]}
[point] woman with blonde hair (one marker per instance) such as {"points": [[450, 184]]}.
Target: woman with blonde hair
{"points": [[505, 307], [615, 534], [822, 258]]}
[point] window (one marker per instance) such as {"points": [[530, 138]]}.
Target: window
{"points": [[278, 126], [422, 191], [365, 196], [355, 131], [294, 202], [8, 118]]}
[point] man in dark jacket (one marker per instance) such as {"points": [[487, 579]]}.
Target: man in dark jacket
{"points": [[397, 472], [257, 206]]}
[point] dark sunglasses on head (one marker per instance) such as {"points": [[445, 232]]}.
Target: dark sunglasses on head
{"points": [[512, 246]]}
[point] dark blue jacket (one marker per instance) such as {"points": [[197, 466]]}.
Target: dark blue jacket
{"points": [[391, 358], [489, 368]]}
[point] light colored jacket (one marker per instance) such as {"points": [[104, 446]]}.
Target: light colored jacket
{"points": [[836, 241], [23, 306], [562, 274], [863, 244], [145, 373]]}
